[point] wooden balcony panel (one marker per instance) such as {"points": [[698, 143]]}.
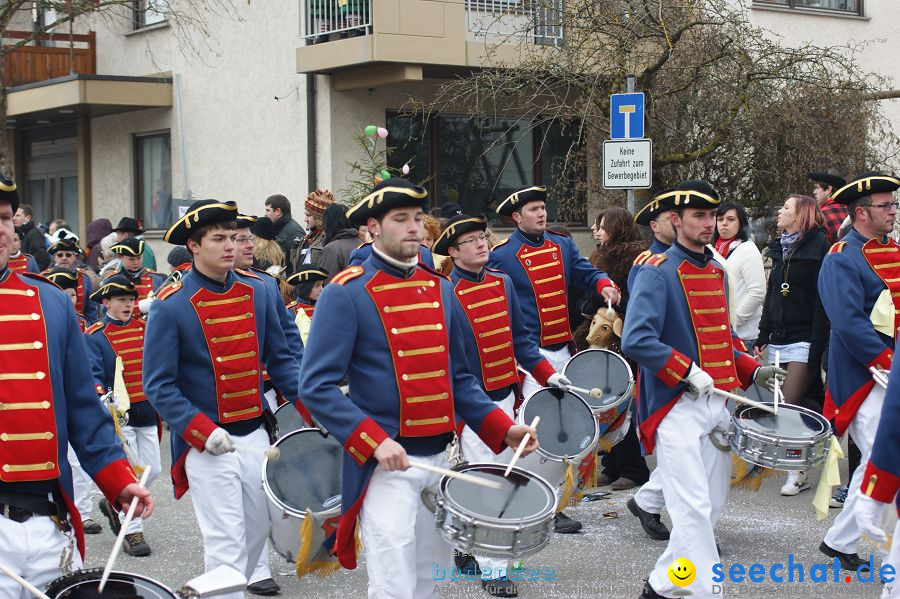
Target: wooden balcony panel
{"points": [[29, 64]]}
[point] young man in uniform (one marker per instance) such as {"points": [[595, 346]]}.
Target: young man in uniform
{"points": [[18, 260], [43, 359], [542, 266], [130, 252], [401, 347], [210, 335], [859, 279], [677, 329], [65, 254]]}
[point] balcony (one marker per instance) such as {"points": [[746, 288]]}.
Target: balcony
{"points": [[74, 54], [367, 44]]}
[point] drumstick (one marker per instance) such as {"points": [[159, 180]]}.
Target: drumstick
{"points": [[775, 392], [460, 475], [879, 377], [272, 452], [609, 309], [521, 446], [740, 399], [595, 393], [25, 584], [121, 536]]}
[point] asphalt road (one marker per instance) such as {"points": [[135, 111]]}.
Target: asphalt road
{"points": [[610, 558]]}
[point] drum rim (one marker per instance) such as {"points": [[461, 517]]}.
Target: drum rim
{"points": [[595, 438], [629, 392], [112, 576], [824, 433], [270, 494], [448, 503]]}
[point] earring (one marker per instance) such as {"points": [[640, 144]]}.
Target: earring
{"points": [[375, 234]]}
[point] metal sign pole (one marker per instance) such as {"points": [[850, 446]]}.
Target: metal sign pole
{"points": [[629, 87]]}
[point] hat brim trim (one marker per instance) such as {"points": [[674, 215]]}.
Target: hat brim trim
{"points": [[124, 249], [102, 293], [306, 276], [680, 196], [514, 197], [377, 197], [449, 235], [185, 221], [867, 182]]}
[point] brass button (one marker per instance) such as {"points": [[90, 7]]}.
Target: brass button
{"points": [[40, 375], [38, 345], [35, 316], [30, 293]]}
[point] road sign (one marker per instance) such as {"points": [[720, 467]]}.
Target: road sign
{"points": [[626, 116], [627, 164]]}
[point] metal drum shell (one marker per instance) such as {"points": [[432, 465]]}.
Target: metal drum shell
{"points": [[578, 382], [779, 452]]}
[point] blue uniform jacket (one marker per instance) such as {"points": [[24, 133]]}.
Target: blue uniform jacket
{"points": [[362, 253], [179, 377], [882, 477], [849, 288], [349, 341], [291, 332], [657, 247], [659, 335]]}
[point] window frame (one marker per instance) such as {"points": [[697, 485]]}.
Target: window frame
{"points": [[137, 155], [139, 10], [794, 5]]}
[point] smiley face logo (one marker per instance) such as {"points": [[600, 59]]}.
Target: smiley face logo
{"points": [[682, 572]]}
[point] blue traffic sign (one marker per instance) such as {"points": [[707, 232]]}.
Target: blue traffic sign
{"points": [[626, 116]]}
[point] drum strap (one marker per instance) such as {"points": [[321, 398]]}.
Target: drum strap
{"points": [[719, 437]]}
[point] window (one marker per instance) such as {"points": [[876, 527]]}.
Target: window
{"points": [[148, 12], [847, 6], [153, 180], [477, 162]]}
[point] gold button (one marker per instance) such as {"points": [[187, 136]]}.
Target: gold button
{"points": [[38, 345], [222, 377], [45, 404], [218, 358], [440, 327], [408, 423], [40, 375], [837, 411], [435, 304], [724, 327], [394, 331], [140, 328], [364, 435], [35, 316], [731, 379], [727, 362], [30, 293], [6, 467], [445, 419], [405, 377]]}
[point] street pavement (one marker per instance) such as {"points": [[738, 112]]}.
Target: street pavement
{"points": [[610, 558]]}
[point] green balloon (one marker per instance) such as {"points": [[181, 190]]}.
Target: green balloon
{"points": [[371, 130], [385, 174]]}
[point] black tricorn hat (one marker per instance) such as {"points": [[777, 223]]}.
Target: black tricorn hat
{"points": [[245, 221], [865, 185], [130, 246], [831, 178], [201, 213], [654, 208], [65, 244], [113, 286], [264, 228], [307, 274], [9, 192], [692, 193], [458, 225], [520, 197], [390, 193], [129, 225], [67, 278]]}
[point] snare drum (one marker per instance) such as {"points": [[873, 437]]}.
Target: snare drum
{"points": [[795, 439], [604, 370], [512, 522], [567, 433], [307, 476], [83, 585], [288, 419]]}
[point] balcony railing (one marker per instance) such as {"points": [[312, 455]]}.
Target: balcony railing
{"points": [[71, 54], [537, 20], [346, 18]]}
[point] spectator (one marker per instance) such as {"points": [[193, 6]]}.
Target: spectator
{"points": [[55, 225], [341, 238], [179, 258], [287, 230], [744, 266], [794, 322], [96, 231], [432, 230], [268, 254], [34, 242], [833, 213], [130, 227]]}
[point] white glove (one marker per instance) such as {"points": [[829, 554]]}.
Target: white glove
{"points": [[765, 376], [144, 305], [219, 442], [868, 513], [109, 399], [701, 383], [559, 381]]}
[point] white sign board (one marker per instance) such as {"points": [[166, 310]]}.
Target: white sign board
{"points": [[627, 164]]}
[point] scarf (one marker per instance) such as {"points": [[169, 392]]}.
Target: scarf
{"points": [[788, 241], [723, 246]]}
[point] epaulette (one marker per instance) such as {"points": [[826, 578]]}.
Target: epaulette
{"points": [[552, 232], [348, 274], [837, 248], [656, 259], [241, 271], [97, 326], [167, 290], [39, 277], [430, 270], [642, 257], [110, 273], [260, 272], [499, 243]]}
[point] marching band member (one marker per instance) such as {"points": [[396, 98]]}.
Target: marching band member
{"points": [[677, 329], [401, 346], [65, 254], [67, 279], [43, 360], [859, 285], [542, 265], [308, 282], [208, 334], [495, 339], [120, 334], [362, 253], [18, 260], [130, 252]]}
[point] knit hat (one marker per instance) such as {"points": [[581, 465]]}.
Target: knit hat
{"points": [[318, 201]]}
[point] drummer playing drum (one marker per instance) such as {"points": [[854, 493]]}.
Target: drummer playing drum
{"points": [[401, 347], [677, 330]]}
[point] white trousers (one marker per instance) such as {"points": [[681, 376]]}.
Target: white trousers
{"points": [[844, 534], [406, 557], [82, 485], [557, 359], [32, 549], [695, 480], [262, 570], [474, 450], [230, 504], [650, 496], [144, 442], [891, 590]]}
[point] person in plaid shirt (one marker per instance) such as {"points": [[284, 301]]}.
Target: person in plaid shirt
{"points": [[825, 185]]}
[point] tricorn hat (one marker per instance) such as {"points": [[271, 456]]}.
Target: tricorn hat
{"points": [[114, 286], [517, 199], [390, 193], [128, 225], [130, 246], [201, 213], [865, 185], [458, 225], [9, 192]]}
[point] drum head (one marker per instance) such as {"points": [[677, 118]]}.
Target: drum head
{"points": [[121, 585], [567, 426], [288, 419], [792, 422], [523, 495], [308, 473], [600, 369]]}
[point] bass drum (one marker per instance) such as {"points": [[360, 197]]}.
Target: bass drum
{"points": [[121, 585]]}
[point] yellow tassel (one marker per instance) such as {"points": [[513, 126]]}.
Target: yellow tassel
{"points": [[747, 476], [604, 445], [568, 486], [302, 562], [830, 478]]}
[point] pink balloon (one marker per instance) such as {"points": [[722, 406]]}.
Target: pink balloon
{"points": [[382, 132], [405, 169]]}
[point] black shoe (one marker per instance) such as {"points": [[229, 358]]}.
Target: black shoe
{"points": [[564, 525], [112, 515], [467, 564], [91, 527], [135, 545], [266, 586], [849, 561], [650, 522], [501, 587]]}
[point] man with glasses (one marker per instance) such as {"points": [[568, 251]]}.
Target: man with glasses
{"points": [[860, 289], [65, 253]]}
